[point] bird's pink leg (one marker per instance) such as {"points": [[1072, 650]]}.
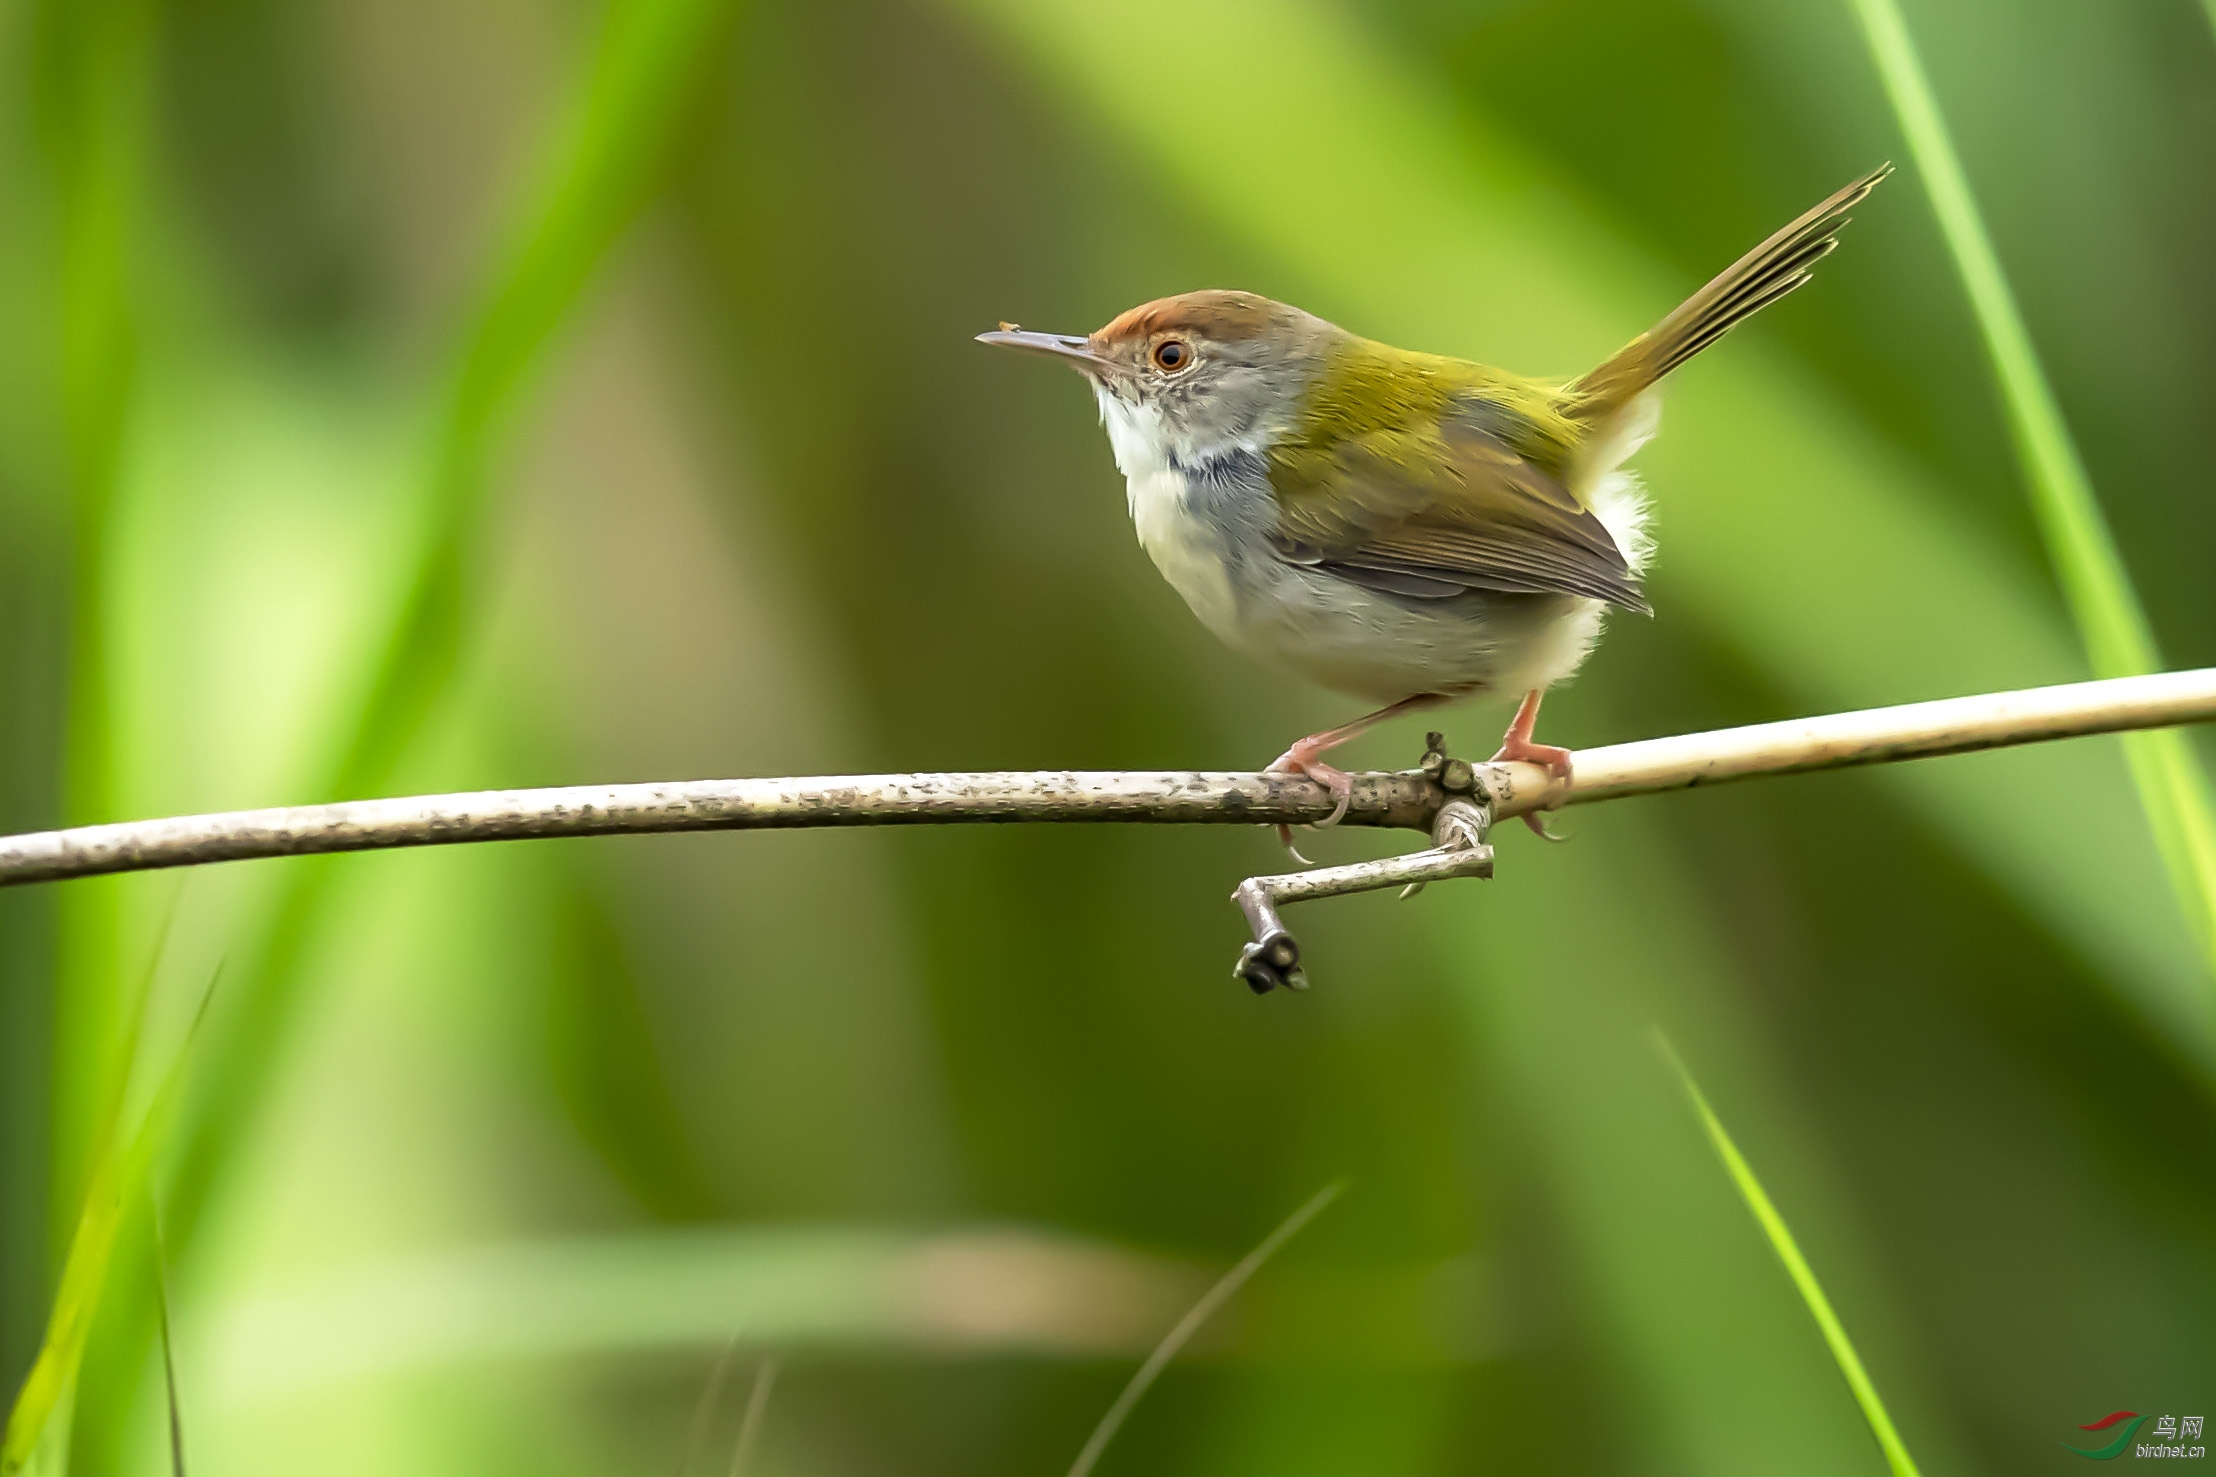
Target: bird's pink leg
{"points": [[1516, 746], [1306, 757]]}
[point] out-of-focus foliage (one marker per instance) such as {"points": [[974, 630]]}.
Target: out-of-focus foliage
{"points": [[1804, 1277], [961, 1119], [2088, 566]]}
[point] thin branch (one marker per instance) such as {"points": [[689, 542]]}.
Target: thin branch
{"points": [[1959, 725], [1410, 799]]}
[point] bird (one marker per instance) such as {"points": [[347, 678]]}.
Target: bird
{"points": [[1404, 528]]}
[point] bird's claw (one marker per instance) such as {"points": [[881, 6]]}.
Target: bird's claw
{"points": [[1342, 788], [1517, 747], [1537, 820], [1332, 778]]}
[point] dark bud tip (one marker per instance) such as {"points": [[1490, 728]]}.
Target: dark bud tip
{"points": [[1272, 964], [1260, 977]]}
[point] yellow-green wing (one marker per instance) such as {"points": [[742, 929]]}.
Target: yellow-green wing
{"points": [[1442, 504]]}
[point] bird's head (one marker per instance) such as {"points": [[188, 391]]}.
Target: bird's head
{"points": [[1184, 379]]}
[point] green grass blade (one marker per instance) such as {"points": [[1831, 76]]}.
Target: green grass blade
{"points": [[51, 1382], [598, 173], [92, 88], [600, 168], [1200, 1312], [2118, 640], [119, 1173], [704, 1409], [1796, 1266], [93, 93], [169, 1353], [757, 1407]]}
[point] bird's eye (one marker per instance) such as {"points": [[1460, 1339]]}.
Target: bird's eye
{"points": [[1171, 355]]}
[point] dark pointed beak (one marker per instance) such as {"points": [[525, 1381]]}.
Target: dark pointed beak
{"points": [[1060, 345]]}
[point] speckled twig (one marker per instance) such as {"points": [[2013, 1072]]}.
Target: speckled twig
{"points": [[1408, 799], [1457, 849]]}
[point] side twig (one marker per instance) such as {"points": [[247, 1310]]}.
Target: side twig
{"points": [[1457, 849]]}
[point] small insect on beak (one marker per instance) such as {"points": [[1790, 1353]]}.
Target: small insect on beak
{"points": [[1060, 345]]}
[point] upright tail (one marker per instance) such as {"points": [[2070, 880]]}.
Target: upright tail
{"points": [[1741, 290]]}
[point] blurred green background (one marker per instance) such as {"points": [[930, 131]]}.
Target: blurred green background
{"points": [[400, 396]]}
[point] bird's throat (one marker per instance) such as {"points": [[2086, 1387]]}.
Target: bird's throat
{"points": [[1136, 433]]}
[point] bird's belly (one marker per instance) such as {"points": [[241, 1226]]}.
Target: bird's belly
{"points": [[1385, 647], [1341, 636]]}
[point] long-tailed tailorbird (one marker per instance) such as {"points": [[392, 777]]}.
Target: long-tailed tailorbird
{"points": [[1404, 527]]}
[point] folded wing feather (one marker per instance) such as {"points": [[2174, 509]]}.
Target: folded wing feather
{"points": [[1429, 512]]}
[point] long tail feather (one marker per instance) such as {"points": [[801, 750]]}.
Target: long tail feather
{"points": [[1745, 288]]}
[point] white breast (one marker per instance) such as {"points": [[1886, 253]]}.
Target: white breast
{"points": [[1185, 547]]}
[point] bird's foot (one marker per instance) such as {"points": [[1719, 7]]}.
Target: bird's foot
{"points": [[1518, 747], [1301, 759], [1306, 759]]}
